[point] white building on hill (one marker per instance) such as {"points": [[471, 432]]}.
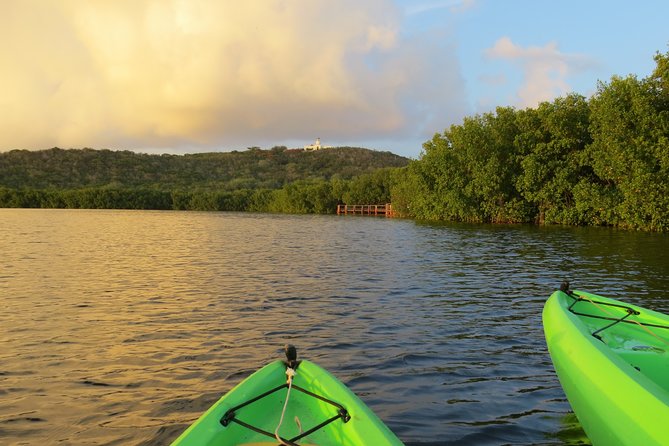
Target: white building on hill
{"points": [[316, 146]]}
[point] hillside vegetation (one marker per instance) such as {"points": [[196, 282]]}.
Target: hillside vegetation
{"points": [[253, 168], [276, 180]]}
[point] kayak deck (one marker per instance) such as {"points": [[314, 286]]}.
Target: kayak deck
{"points": [[320, 411], [636, 335]]}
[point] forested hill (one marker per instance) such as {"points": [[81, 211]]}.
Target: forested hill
{"points": [[250, 169]]}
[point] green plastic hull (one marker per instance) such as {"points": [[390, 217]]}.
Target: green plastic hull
{"points": [[363, 428], [617, 384]]}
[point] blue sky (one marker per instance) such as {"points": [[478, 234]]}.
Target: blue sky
{"points": [[167, 76], [605, 38]]}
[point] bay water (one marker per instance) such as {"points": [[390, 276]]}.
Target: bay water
{"points": [[122, 327]]}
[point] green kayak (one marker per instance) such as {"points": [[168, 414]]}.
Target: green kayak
{"points": [[612, 360], [268, 408]]}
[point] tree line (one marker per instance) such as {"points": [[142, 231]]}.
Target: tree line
{"points": [[319, 196]]}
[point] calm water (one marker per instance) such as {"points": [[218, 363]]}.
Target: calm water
{"points": [[123, 327]]}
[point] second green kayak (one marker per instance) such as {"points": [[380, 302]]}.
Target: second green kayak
{"points": [[612, 360], [320, 411]]}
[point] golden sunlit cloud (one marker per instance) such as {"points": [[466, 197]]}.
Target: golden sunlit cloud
{"points": [[201, 73]]}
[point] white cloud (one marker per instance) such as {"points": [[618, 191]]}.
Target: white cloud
{"points": [[545, 69], [214, 74]]}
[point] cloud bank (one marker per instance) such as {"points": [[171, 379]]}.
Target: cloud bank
{"points": [[545, 69], [217, 74]]}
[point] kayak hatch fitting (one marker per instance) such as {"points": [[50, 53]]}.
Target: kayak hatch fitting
{"points": [[291, 364]]}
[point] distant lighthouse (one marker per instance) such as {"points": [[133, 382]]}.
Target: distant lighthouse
{"points": [[315, 146]]}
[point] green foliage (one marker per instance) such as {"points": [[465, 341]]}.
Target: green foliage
{"points": [[553, 139], [630, 149], [370, 188], [469, 172], [304, 197], [407, 192]]}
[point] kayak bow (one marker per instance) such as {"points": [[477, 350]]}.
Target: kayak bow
{"points": [[612, 361], [310, 408]]}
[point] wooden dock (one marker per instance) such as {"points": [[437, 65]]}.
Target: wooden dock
{"points": [[380, 210]]}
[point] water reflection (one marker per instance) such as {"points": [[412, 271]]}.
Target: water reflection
{"points": [[571, 432], [123, 327]]}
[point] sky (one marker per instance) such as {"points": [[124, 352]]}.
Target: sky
{"points": [[185, 76]]}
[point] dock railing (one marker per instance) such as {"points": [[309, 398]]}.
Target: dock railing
{"points": [[366, 209]]}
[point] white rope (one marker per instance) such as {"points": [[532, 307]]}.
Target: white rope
{"points": [[289, 373]]}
